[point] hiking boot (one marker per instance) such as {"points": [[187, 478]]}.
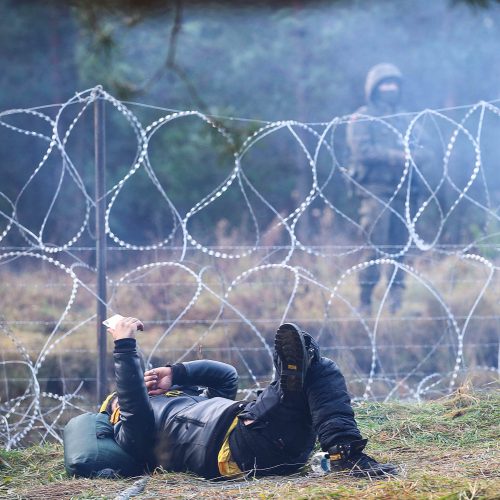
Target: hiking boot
{"points": [[349, 458], [312, 347], [294, 353]]}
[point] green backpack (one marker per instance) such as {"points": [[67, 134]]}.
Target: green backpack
{"points": [[91, 451]]}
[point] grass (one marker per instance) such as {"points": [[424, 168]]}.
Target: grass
{"points": [[447, 449]]}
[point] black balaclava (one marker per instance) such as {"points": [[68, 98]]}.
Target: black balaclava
{"points": [[390, 97]]}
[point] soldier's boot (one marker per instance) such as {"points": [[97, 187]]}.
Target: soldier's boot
{"points": [[350, 459], [294, 352]]}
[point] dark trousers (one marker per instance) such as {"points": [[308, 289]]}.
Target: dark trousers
{"points": [[386, 235], [285, 427]]}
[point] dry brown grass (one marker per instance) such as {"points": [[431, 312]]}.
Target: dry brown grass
{"points": [[40, 294]]}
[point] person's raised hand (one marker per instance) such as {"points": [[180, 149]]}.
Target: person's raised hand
{"points": [[126, 328], [158, 380]]}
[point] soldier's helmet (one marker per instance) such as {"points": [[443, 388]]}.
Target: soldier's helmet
{"points": [[379, 73]]}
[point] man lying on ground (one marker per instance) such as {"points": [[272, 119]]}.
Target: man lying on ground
{"points": [[161, 419]]}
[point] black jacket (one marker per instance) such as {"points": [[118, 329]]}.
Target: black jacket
{"points": [[182, 432]]}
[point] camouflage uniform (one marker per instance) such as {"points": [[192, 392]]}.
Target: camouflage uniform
{"points": [[377, 163]]}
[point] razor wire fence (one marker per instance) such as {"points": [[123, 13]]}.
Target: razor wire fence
{"points": [[214, 277]]}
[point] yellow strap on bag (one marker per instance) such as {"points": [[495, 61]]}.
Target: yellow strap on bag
{"points": [[105, 403], [115, 416]]}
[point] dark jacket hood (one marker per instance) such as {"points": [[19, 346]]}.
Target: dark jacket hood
{"points": [[378, 73]]}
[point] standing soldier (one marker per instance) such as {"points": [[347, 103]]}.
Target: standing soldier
{"points": [[377, 165]]}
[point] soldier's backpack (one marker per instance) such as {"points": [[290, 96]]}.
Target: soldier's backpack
{"points": [[91, 451]]}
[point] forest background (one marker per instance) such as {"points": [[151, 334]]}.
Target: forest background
{"points": [[297, 60], [244, 63]]}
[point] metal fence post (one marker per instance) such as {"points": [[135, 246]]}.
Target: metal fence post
{"points": [[100, 210]]}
